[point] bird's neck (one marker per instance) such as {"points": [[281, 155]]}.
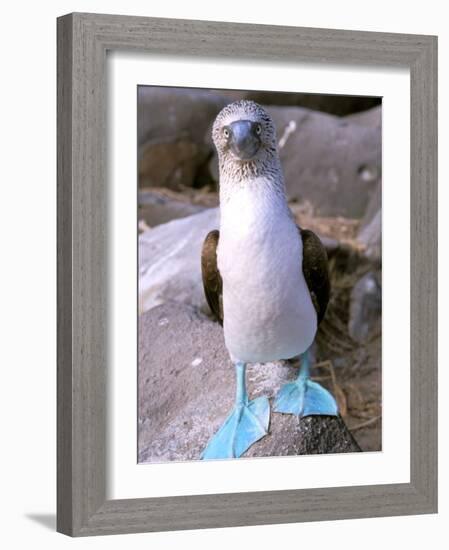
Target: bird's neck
{"points": [[260, 180], [252, 204]]}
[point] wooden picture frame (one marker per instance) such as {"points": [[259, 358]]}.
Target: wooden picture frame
{"points": [[83, 40]]}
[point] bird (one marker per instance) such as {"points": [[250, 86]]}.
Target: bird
{"points": [[265, 279]]}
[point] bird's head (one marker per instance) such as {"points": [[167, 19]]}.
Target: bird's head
{"points": [[244, 133]]}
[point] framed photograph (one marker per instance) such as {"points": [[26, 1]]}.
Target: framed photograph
{"points": [[247, 274]]}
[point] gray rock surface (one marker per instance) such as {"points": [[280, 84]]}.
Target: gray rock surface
{"points": [[365, 306], [171, 163], [170, 261], [373, 207], [371, 117], [155, 208], [171, 127], [186, 390], [167, 112], [370, 236], [333, 163]]}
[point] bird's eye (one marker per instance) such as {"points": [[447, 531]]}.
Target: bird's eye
{"points": [[258, 129], [226, 132]]}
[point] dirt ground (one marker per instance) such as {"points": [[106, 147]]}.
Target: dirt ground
{"points": [[357, 386]]}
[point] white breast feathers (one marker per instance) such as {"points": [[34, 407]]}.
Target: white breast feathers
{"points": [[268, 312]]}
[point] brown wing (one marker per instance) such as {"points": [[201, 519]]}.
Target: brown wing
{"points": [[212, 282], [315, 270]]}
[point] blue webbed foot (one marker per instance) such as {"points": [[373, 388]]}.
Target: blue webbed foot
{"points": [[247, 423], [303, 397]]}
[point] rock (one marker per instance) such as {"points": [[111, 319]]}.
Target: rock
{"points": [[169, 261], [371, 118], [186, 390], [306, 436], [370, 237], [374, 205], [333, 164], [156, 208], [339, 105], [170, 163], [175, 112], [365, 306], [171, 127]]}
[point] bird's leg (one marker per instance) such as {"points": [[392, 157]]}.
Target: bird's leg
{"points": [[247, 423], [241, 395], [303, 397]]}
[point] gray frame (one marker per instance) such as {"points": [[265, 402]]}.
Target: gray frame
{"points": [[83, 40]]}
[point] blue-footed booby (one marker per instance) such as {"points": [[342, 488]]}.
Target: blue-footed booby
{"points": [[265, 279]]}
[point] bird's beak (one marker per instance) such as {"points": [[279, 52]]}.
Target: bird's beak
{"points": [[244, 140]]}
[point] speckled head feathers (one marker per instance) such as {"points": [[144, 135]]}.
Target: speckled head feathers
{"points": [[266, 158], [241, 110]]}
